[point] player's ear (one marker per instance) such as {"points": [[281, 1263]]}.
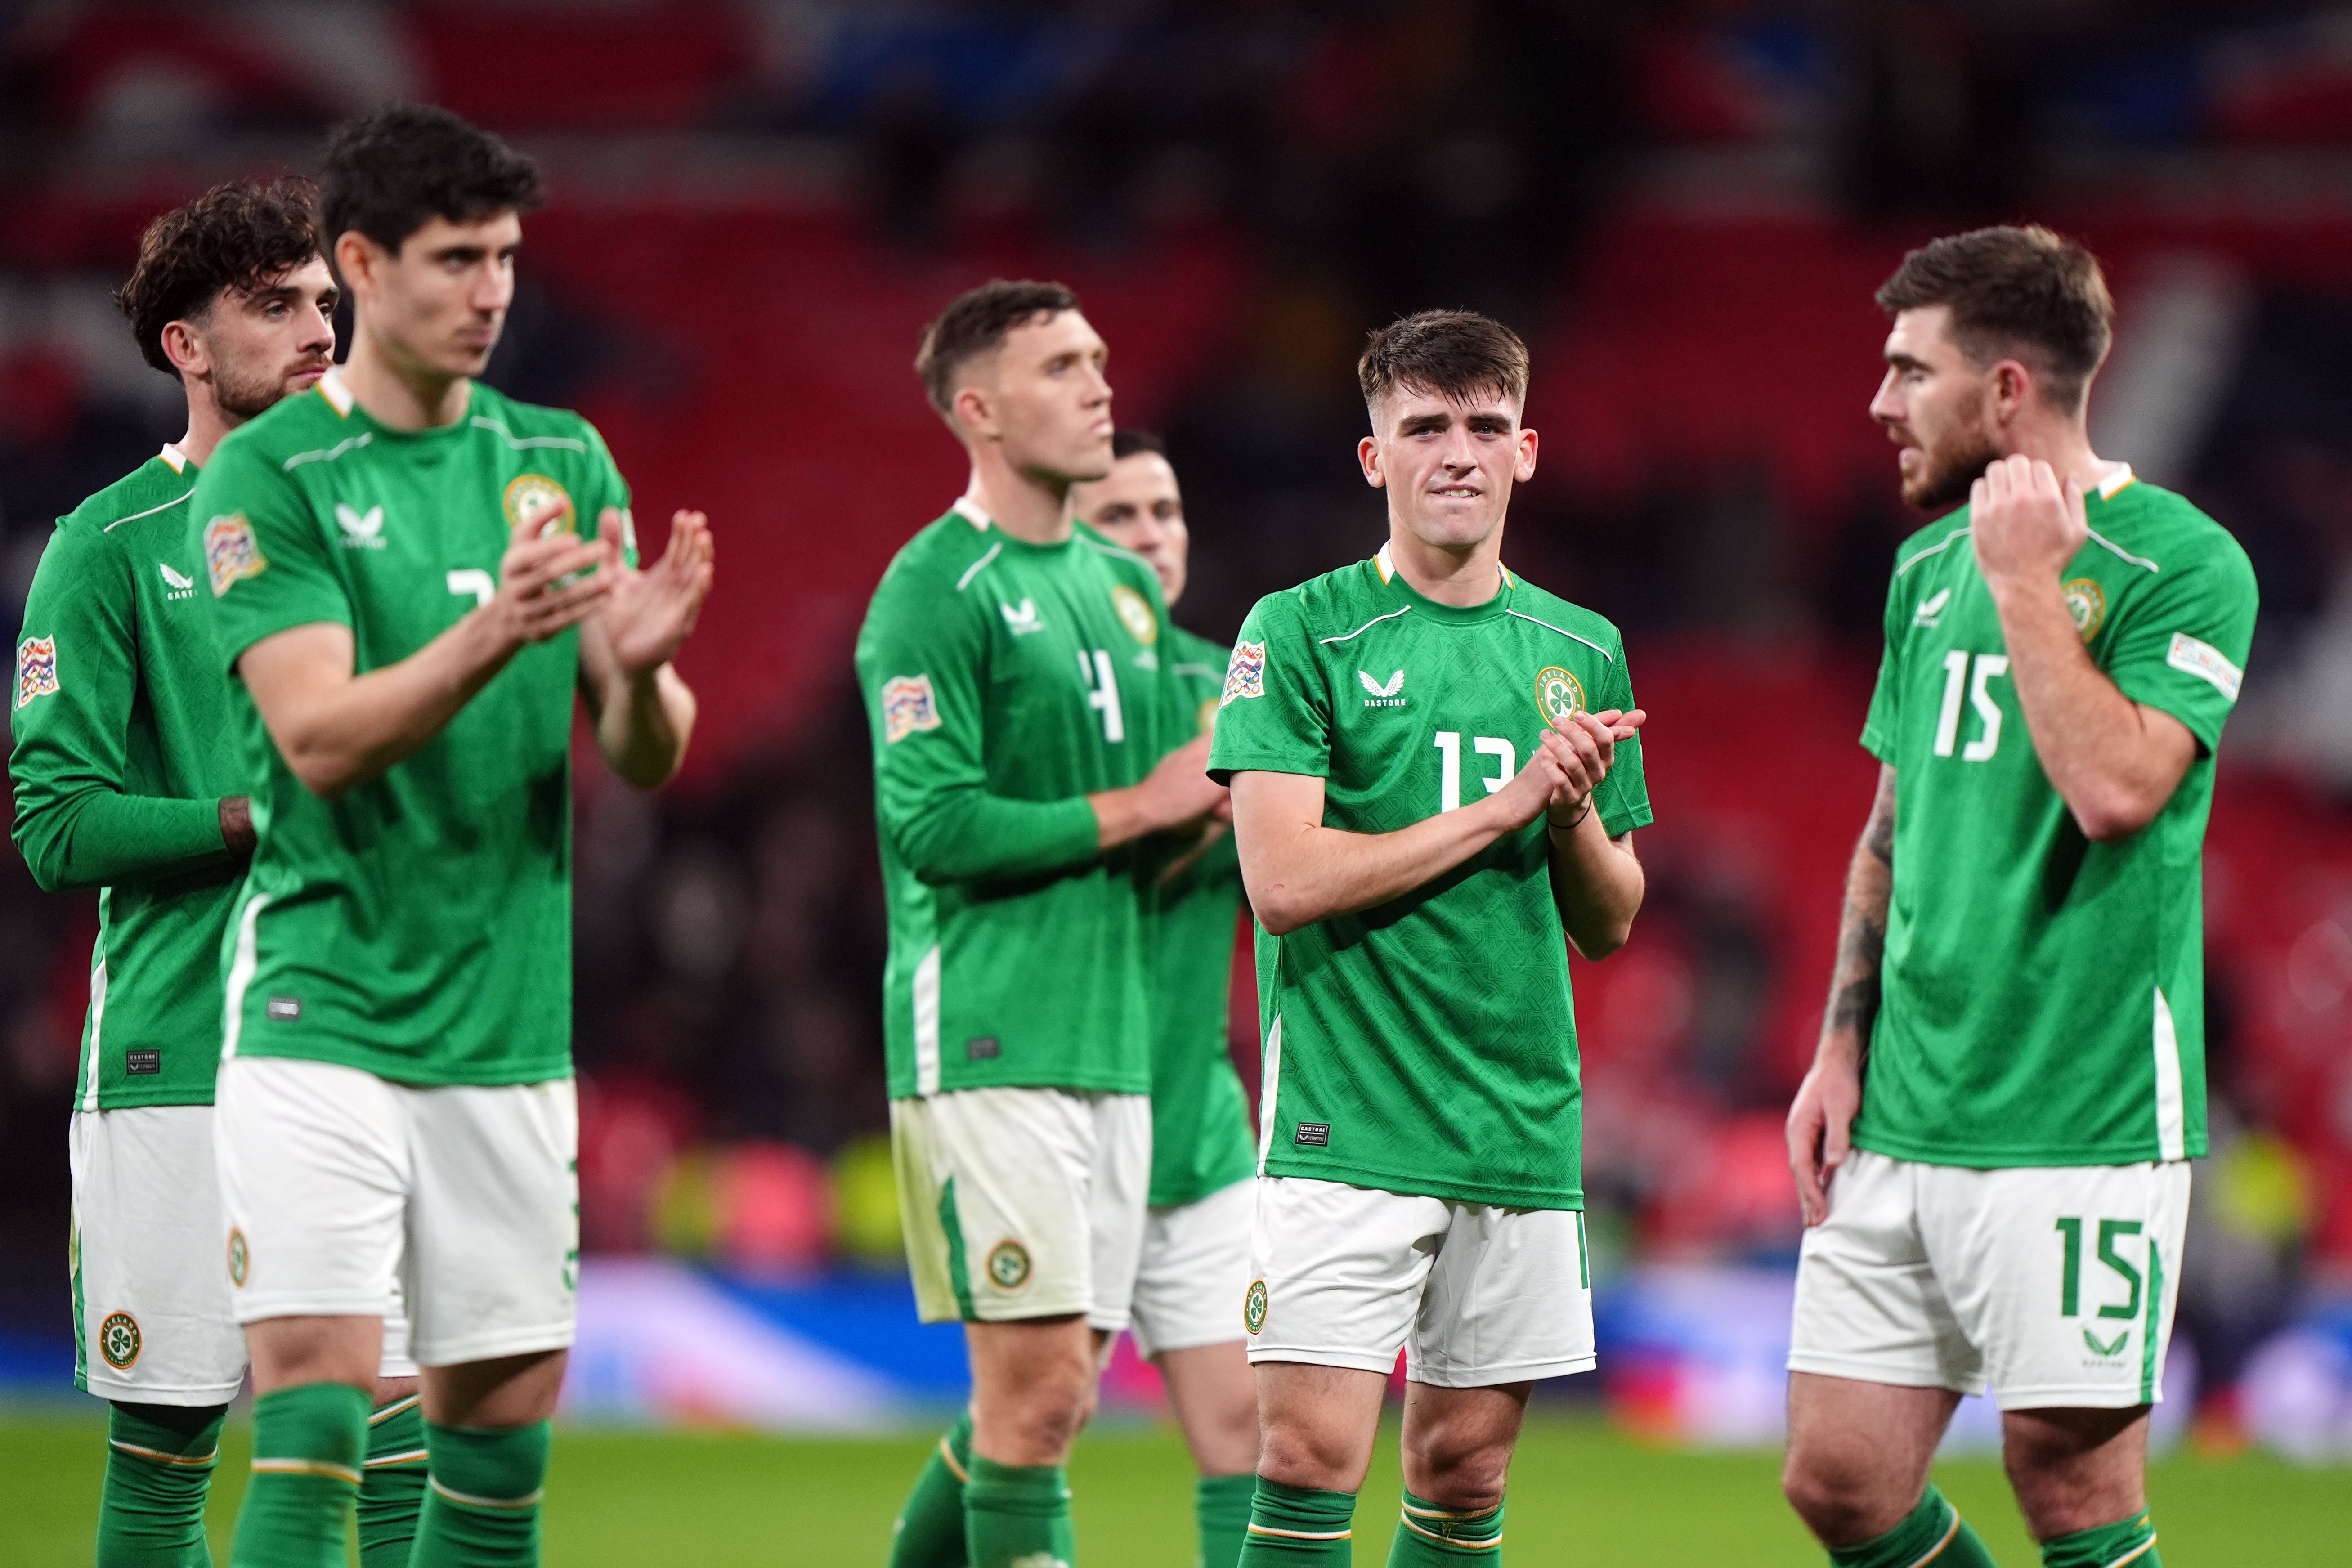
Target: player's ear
{"points": [[1367, 453], [184, 346], [1524, 469], [973, 411], [356, 258]]}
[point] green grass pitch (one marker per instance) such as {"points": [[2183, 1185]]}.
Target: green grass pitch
{"points": [[1581, 1495]]}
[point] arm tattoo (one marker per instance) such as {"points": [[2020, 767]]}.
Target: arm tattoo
{"points": [[1861, 929]]}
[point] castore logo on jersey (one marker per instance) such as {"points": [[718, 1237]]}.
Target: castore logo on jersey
{"points": [[362, 529], [1383, 693]]}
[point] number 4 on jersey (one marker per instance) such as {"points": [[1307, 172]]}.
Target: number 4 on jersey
{"points": [[1102, 694]]}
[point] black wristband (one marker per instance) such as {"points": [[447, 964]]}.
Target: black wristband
{"points": [[1579, 822]]}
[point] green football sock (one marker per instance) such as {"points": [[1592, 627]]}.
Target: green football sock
{"points": [[1428, 1536], [2130, 1541], [482, 1493], [1017, 1516], [1221, 1504], [1935, 1532], [307, 1442], [159, 1464], [1297, 1527], [929, 1532], [392, 1484]]}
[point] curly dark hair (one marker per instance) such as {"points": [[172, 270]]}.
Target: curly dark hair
{"points": [[237, 238], [974, 323], [2026, 291], [1452, 353], [390, 173]]}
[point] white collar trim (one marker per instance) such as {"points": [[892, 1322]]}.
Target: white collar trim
{"points": [[339, 397], [173, 456]]}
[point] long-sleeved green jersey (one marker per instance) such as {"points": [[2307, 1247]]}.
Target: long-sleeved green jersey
{"points": [[122, 753], [1004, 682]]}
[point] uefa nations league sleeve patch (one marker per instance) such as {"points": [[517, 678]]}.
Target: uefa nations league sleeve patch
{"points": [[908, 706], [37, 668], [231, 552], [1245, 675]]}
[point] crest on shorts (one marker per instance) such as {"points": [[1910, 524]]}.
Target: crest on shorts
{"points": [[231, 552], [1245, 675], [527, 493], [2087, 603], [1253, 1306], [907, 705], [37, 668], [118, 1341], [236, 1258], [1135, 613], [1558, 693], [1008, 1265]]}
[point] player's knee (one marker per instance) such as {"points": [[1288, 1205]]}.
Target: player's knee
{"points": [[1299, 1454], [1469, 1479], [1837, 1502]]}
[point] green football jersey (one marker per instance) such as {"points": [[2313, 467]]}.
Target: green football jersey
{"points": [[419, 927], [1427, 1046], [2043, 1000], [122, 755], [1199, 1116], [1005, 681]]}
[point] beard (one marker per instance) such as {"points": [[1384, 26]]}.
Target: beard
{"points": [[243, 394], [1946, 477]]}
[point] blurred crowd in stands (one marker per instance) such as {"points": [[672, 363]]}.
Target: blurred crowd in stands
{"points": [[1683, 207]]}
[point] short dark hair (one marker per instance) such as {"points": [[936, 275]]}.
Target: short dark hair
{"points": [[240, 236], [1127, 444], [974, 323], [1452, 353], [2012, 290], [390, 173]]}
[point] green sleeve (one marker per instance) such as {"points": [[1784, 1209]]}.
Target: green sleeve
{"points": [[263, 553], [1623, 798], [1878, 731], [2179, 646], [920, 658], [609, 489], [1275, 714], [77, 680]]}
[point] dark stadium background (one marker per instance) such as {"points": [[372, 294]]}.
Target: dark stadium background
{"points": [[1684, 208]]}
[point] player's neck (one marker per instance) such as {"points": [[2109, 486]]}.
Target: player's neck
{"points": [[2065, 446], [402, 396], [1462, 578], [206, 424], [1025, 506]]}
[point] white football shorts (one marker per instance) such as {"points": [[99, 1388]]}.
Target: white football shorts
{"points": [[1196, 1260], [2055, 1285], [1023, 1203], [1475, 1295], [153, 1324], [323, 1168]]}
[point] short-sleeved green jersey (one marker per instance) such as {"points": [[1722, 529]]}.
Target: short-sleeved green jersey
{"points": [[122, 755], [418, 927], [2043, 1000], [1199, 1116], [1426, 1045], [1004, 682]]}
